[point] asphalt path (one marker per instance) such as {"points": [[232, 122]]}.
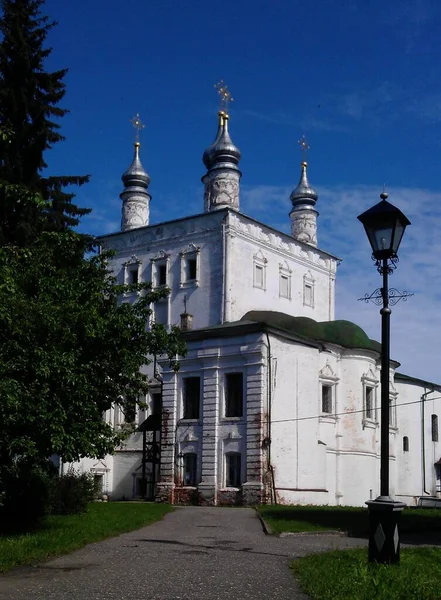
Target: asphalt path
{"points": [[195, 553]]}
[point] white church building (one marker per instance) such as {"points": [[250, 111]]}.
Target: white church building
{"points": [[276, 401]]}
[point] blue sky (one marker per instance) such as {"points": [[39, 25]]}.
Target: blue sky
{"points": [[360, 78]]}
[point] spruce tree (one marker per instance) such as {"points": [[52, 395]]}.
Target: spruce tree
{"points": [[29, 111]]}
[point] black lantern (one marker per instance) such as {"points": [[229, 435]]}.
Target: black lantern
{"points": [[384, 225]]}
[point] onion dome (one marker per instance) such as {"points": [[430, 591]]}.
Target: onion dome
{"points": [[136, 176], [222, 153], [304, 193]]}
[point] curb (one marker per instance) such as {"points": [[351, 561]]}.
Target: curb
{"points": [[266, 528], [313, 533]]}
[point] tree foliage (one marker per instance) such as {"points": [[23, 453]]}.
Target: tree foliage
{"points": [[71, 343], [29, 109]]}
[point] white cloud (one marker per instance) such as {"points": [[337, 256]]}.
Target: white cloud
{"points": [[415, 323]]}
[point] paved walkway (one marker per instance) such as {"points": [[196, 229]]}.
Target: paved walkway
{"points": [[195, 553]]}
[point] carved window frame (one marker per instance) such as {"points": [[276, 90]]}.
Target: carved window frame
{"points": [[285, 273], [133, 265], [162, 258], [327, 378], [259, 266], [393, 397], [308, 284], [192, 252], [370, 392]]}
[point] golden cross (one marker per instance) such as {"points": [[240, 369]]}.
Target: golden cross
{"points": [[225, 95], [138, 125], [304, 146]]}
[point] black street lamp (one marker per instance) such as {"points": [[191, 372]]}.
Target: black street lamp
{"points": [[384, 225]]}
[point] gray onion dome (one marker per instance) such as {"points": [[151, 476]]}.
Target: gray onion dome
{"points": [[136, 176], [304, 193], [222, 152]]}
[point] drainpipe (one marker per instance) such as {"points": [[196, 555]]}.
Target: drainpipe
{"points": [[269, 465], [423, 443]]}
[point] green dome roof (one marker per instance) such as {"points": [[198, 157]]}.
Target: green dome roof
{"points": [[342, 333]]}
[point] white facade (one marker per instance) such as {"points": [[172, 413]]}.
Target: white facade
{"points": [[275, 400]]}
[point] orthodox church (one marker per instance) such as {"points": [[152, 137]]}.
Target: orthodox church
{"points": [[276, 401]]}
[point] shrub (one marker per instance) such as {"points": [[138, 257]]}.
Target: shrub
{"points": [[25, 499], [72, 492]]}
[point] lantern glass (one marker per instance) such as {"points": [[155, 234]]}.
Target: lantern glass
{"points": [[384, 225]]}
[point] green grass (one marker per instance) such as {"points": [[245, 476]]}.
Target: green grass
{"points": [[346, 575], [63, 534], [352, 520]]}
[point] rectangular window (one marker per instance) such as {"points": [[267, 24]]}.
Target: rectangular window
{"points": [[284, 286], [434, 428], [161, 312], [392, 412], [308, 294], [156, 404], [190, 269], [133, 276], [326, 398], [162, 274], [234, 395], [233, 470], [192, 397], [369, 403], [258, 276], [190, 469]]}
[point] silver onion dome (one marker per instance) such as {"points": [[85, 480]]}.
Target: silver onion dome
{"points": [[304, 193], [136, 176], [222, 152]]}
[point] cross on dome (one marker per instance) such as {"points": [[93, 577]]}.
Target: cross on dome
{"points": [[138, 125], [225, 95], [304, 147]]}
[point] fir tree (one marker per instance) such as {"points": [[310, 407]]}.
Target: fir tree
{"points": [[29, 110]]}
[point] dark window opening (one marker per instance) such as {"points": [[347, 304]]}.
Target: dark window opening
{"points": [[434, 428], [162, 274], [192, 397], [369, 408], [405, 444], [234, 395], [156, 404], [129, 410], [326, 399], [233, 470], [190, 469], [133, 276], [191, 268]]}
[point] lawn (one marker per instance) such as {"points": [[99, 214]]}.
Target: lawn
{"points": [[347, 575], [352, 520], [63, 534]]}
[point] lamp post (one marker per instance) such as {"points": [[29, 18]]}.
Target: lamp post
{"points": [[384, 225]]}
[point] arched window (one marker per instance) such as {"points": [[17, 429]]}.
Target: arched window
{"points": [[434, 428], [405, 444]]}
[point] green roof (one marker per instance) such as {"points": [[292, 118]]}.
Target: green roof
{"points": [[342, 333]]}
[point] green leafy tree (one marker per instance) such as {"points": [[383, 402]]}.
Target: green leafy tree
{"points": [[69, 349], [29, 109]]}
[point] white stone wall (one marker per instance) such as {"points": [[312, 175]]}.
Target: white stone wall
{"points": [[213, 434], [256, 251], [173, 243], [416, 473]]}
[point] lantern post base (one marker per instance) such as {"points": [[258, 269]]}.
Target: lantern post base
{"points": [[384, 530]]}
